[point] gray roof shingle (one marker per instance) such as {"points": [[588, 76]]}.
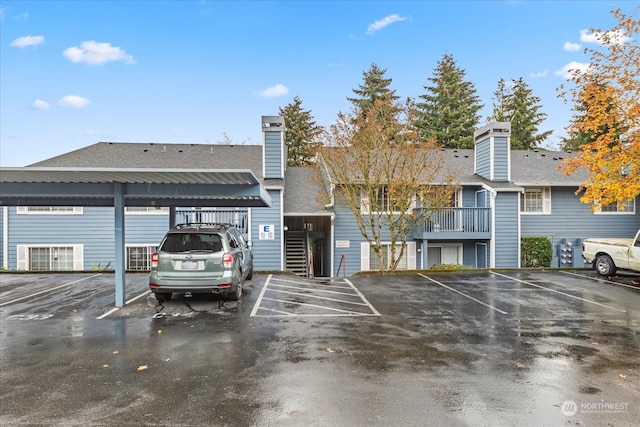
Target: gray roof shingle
{"points": [[302, 192], [528, 167], [158, 155]]}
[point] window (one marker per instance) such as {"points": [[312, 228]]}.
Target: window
{"points": [[50, 257], [625, 207], [141, 210], [536, 200], [382, 202], [369, 259], [139, 257], [49, 210], [444, 253]]}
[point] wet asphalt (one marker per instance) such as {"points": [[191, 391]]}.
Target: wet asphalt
{"points": [[473, 348]]}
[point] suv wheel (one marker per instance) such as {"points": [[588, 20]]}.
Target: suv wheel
{"points": [[236, 294], [250, 273]]}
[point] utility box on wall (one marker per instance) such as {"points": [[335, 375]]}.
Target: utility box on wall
{"points": [[569, 254]]}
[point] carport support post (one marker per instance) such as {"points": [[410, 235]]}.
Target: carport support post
{"points": [[118, 204]]}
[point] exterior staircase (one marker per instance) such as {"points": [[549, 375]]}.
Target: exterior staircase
{"points": [[296, 253]]}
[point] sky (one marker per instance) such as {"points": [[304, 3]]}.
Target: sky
{"points": [[74, 73]]}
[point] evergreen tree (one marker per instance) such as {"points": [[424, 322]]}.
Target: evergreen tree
{"points": [[500, 113], [518, 105], [449, 111], [302, 134], [375, 87]]}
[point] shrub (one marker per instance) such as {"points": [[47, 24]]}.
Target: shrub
{"points": [[536, 251]]}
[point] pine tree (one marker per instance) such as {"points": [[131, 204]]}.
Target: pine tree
{"points": [[500, 114], [375, 87], [449, 111], [302, 134], [518, 105]]}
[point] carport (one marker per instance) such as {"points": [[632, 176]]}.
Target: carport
{"points": [[120, 188]]}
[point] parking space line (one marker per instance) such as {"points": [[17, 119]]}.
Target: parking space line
{"points": [[310, 290], [366, 301], [301, 283], [351, 313], [259, 300], [48, 290], [113, 310], [319, 297], [314, 290], [558, 292], [463, 294], [597, 279]]}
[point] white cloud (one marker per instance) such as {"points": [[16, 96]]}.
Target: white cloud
{"points": [[381, 23], [274, 91], [615, 37], [39, 104], [539, 74], [94, 53], [74, 101], [587, 37], [25, 41], [566, 71], [572, 47]]}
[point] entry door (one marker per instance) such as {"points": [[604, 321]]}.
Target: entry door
{"points": [[481, 255]]}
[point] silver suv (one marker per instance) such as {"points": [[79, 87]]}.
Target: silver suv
{"points": [[201, 258]]}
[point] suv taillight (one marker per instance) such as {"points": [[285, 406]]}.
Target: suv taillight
{"points": [[227, 260], [154, 260]]}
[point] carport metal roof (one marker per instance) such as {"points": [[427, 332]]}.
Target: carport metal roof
{"points": [[141, 187], [52, 186]]}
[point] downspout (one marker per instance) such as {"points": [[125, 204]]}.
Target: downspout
{"points": [[5, 237], [283, 260]]}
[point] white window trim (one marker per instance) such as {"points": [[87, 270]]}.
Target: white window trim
{"points": [[597, 211], [23, 255], [24, 210], [410, 253], [546, 202]]}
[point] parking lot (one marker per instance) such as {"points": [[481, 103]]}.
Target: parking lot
{"points": [[519, 347]]}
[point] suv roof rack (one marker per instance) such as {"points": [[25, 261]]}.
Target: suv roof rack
{"points": [[201, 225]]}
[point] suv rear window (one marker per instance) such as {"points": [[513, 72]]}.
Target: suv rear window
{"points": [[184, 242]]}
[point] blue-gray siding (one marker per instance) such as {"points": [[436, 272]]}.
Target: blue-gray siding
{"points": [[94, 229], [483, 158], [501, 158], [273, 155], [506, 238], [573, 221], [346, 230], [267, 254]]}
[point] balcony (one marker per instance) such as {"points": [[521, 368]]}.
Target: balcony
{"points": [[456, 224]]}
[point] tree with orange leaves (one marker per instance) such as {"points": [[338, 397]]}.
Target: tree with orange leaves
{"points": [[608, 96], [392, 181]]}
